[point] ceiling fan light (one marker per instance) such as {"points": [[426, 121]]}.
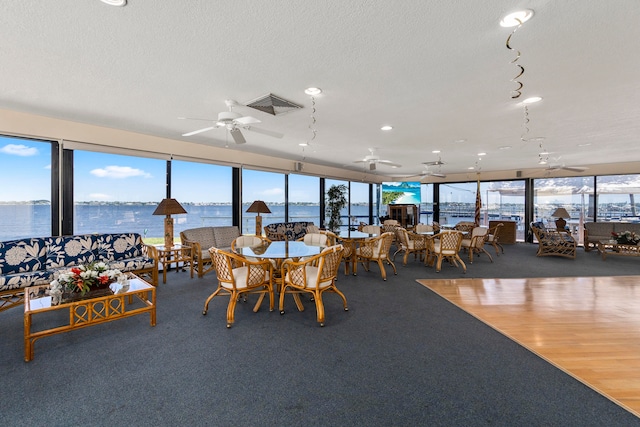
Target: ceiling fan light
{"points": [[532, 100], [386, 127]]}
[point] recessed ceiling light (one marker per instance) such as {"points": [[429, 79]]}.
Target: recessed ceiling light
{"points": [[386, 127], [471, 168], [504, 147], [482, 154], [584, 144], [115, 2], [532, 100], [460, 140], [543, 153], [304, 144], [313, 91], [435, 151], [516, 18]]}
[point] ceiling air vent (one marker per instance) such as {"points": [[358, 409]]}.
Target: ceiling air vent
{"points": [[272, 104]]}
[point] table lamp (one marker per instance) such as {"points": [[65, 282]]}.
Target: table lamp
{"points": [[169, 207], [561, 214], [258, 207]]}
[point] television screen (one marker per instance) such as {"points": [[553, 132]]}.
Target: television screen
{"points": [[407, 192]]}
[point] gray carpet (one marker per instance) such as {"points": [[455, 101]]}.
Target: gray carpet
{"points": [[400, 356]]}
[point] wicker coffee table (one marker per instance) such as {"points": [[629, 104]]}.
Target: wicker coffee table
{"points": [[611, 247], [88, 311]]}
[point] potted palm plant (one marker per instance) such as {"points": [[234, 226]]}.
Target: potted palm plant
{"points": [[335, 202]]}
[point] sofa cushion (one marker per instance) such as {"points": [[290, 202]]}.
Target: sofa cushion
{"points": [[118, 246], [292, 230], [22, 255], [223, 236], [26, 279], [626, 226], [132, 264], [202, 235], [67, 251], [599, 230]]}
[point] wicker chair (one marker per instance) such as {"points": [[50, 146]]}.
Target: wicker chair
{"points": [[475, 242], [494, 238], [315, 275], [375, 249], [446, 246], [409, 243], [464, 226], [237, 277], [552, 242]]}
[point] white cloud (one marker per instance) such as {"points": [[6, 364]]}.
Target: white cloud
{"points": [[48, 166], [99, 196], [19, 150], [119, 172], [273, 192]]}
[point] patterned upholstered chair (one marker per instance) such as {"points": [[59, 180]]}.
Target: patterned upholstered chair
{"points": [[552, 242]]}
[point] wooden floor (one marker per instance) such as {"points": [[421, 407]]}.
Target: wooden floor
{"points": [[587, 326]]}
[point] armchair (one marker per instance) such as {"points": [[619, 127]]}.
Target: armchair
{"points": [[552, 242], [447, 245], [376, 249], [315, 275], [239, 276], [475, 243], [409, 243]]}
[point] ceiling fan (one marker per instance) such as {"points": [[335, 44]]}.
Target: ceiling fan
{"points": [[428, 172], [233, 122], [372, 159], [555, 167], [438, 162]]}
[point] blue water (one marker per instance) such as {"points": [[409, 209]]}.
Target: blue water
{"points": [[19, 221]]}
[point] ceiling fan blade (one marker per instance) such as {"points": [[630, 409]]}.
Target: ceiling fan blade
{"points": [[246, 120], [263, 131], [238, 137], [195, 132], [574, 168], [361, 161], [389, 163], [195, 118], [434, 163], [439, 175]]}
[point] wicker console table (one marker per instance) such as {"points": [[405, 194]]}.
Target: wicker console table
{"points": [[609, 247]]}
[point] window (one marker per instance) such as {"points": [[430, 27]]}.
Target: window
{"points": [[265, 186], [344, 212], [359, 204], [618, 198], [115, 193], [205, 192], [25, 207], [304, 198]]}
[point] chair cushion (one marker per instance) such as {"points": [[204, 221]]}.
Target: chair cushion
{"points": [[26, 279], [132, 264], [311, 274], [22, 255]]}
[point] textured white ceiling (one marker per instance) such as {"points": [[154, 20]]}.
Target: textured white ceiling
{"points": [[438, 71]]}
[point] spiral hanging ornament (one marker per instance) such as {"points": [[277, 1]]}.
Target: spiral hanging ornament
{"points": [[525, 125], [312, 125], [517, 92]]}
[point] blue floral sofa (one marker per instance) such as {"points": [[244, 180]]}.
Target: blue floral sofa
{"points": [[286, 230], [37, 260]]}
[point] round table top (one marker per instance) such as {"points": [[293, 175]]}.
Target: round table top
{"points": [[355, 235], [281, 250]]}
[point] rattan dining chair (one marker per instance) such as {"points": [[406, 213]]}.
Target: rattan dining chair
{"points": [[375, 249], [409, 243], [494, 238], [474, 244], [315, 276], [238, 277], [446, 246]]}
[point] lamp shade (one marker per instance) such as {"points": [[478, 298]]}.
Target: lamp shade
{"points": [[258, 207], [169, 207], [561, 213]]}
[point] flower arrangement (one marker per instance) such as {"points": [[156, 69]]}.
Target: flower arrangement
{"points": [[84, 277], [626, 237]]}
